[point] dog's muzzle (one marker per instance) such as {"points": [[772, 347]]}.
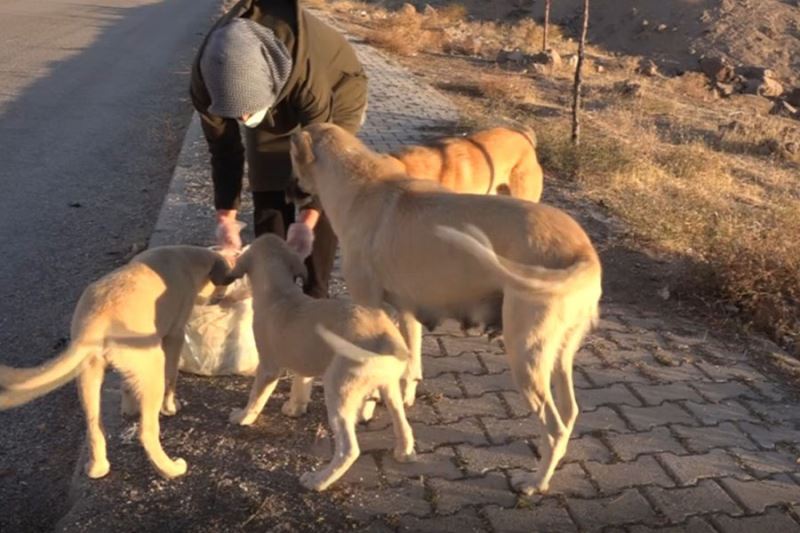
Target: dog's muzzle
{"points": [[297, 195]]}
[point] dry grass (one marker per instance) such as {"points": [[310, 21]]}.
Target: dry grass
{"points": [[668, 160]]}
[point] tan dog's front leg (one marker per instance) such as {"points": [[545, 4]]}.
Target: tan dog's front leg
{"points": [[299, 397], [263, 385], [411, 330], [172, 351]]}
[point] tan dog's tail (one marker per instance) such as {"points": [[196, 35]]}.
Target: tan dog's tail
{"points": [[25, 384], [349, 350], [525, 278]]}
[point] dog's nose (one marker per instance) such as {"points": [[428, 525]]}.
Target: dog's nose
{"points": [[296, 195]]}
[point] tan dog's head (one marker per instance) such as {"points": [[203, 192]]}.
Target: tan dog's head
{"points": [[270, 256]]}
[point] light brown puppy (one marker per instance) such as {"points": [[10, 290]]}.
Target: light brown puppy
{"points": [[133, 320], [526, 267], [492, 161], [355, 349]]}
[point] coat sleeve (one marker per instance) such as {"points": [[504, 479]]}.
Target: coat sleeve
{"points": [[224, 144]]}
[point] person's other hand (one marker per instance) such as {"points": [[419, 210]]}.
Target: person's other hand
{"points": [[300, 238], [228, 231]]}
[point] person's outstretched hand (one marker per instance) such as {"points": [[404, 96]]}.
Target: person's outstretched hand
{"points": [[300, 238]]}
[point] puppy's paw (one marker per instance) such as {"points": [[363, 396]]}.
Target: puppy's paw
{"points": [[294, 410], [176, 469], [528, 484], [97, 469], [241, 417], [313, 481], [403, 456], [170, 407], [409, 387]]}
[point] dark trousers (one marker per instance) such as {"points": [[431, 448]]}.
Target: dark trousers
{"points": [[272, 214]]}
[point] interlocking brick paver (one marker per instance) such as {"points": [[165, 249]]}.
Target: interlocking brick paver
{"points": [[487, 405], [773, 521], [450, 496], [587, 448], [429, 436], [725, 435], [465, 362], [617, 394], [768, 435], [678, 504], [693, 525], [461, 345], [762, 464], [602, 376], [683, 372], [630, 507], [644, 418], [445, 384], [757, 495], [616, 476], [601, 419], [364, 473], [407, 499], [478, 385], [502, 431], [775, 412], [741, 371], [517, 404], [478, 461], [548, 515], [495, 363], [440, 463], [714, 413], [430, 346], [466, 521], [628, 446], [657, 394], [690, 468], [719, 391], [572, 480]]}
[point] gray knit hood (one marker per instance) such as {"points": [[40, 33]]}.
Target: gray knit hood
{"points": [[244, 66]]}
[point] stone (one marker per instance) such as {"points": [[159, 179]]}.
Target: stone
{"points": [[793, 98], [549, 57], [766, 87], [717, 69], [784, 109], [647, 68]]}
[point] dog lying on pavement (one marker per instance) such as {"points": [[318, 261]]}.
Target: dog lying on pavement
{"points": [[492, 161], [355, 349], [527, 268], [132, 319]]}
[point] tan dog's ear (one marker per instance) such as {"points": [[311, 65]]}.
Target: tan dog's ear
{"points": [[301, 149]]}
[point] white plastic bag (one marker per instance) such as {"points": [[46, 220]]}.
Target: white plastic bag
{"points": [[219, 338]]}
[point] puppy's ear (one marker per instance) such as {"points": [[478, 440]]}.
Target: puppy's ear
{"points": [[301, 149]]}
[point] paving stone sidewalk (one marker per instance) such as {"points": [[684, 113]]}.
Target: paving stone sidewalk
{"points": [[676, 433]]}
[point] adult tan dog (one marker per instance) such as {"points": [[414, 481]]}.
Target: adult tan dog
{"points": [[483, 259], [492, 161], [355, 349], [133, 320]]}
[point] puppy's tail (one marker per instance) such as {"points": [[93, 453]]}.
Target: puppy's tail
{"points": [[349, 350], [524, 278], [25, 384]]}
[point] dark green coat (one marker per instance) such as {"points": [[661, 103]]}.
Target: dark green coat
{"points": [[327, 84]]}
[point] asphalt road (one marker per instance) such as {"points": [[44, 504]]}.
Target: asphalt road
{"points": [[93, 107]]}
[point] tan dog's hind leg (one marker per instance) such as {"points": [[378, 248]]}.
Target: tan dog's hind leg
{"points": [[411, 330], [172, 351], [299, 397], [342, 414], [532, 355], [368, 408], [90, 382], [404, 437], [150, 367], [263, 385], [129, 404]]}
